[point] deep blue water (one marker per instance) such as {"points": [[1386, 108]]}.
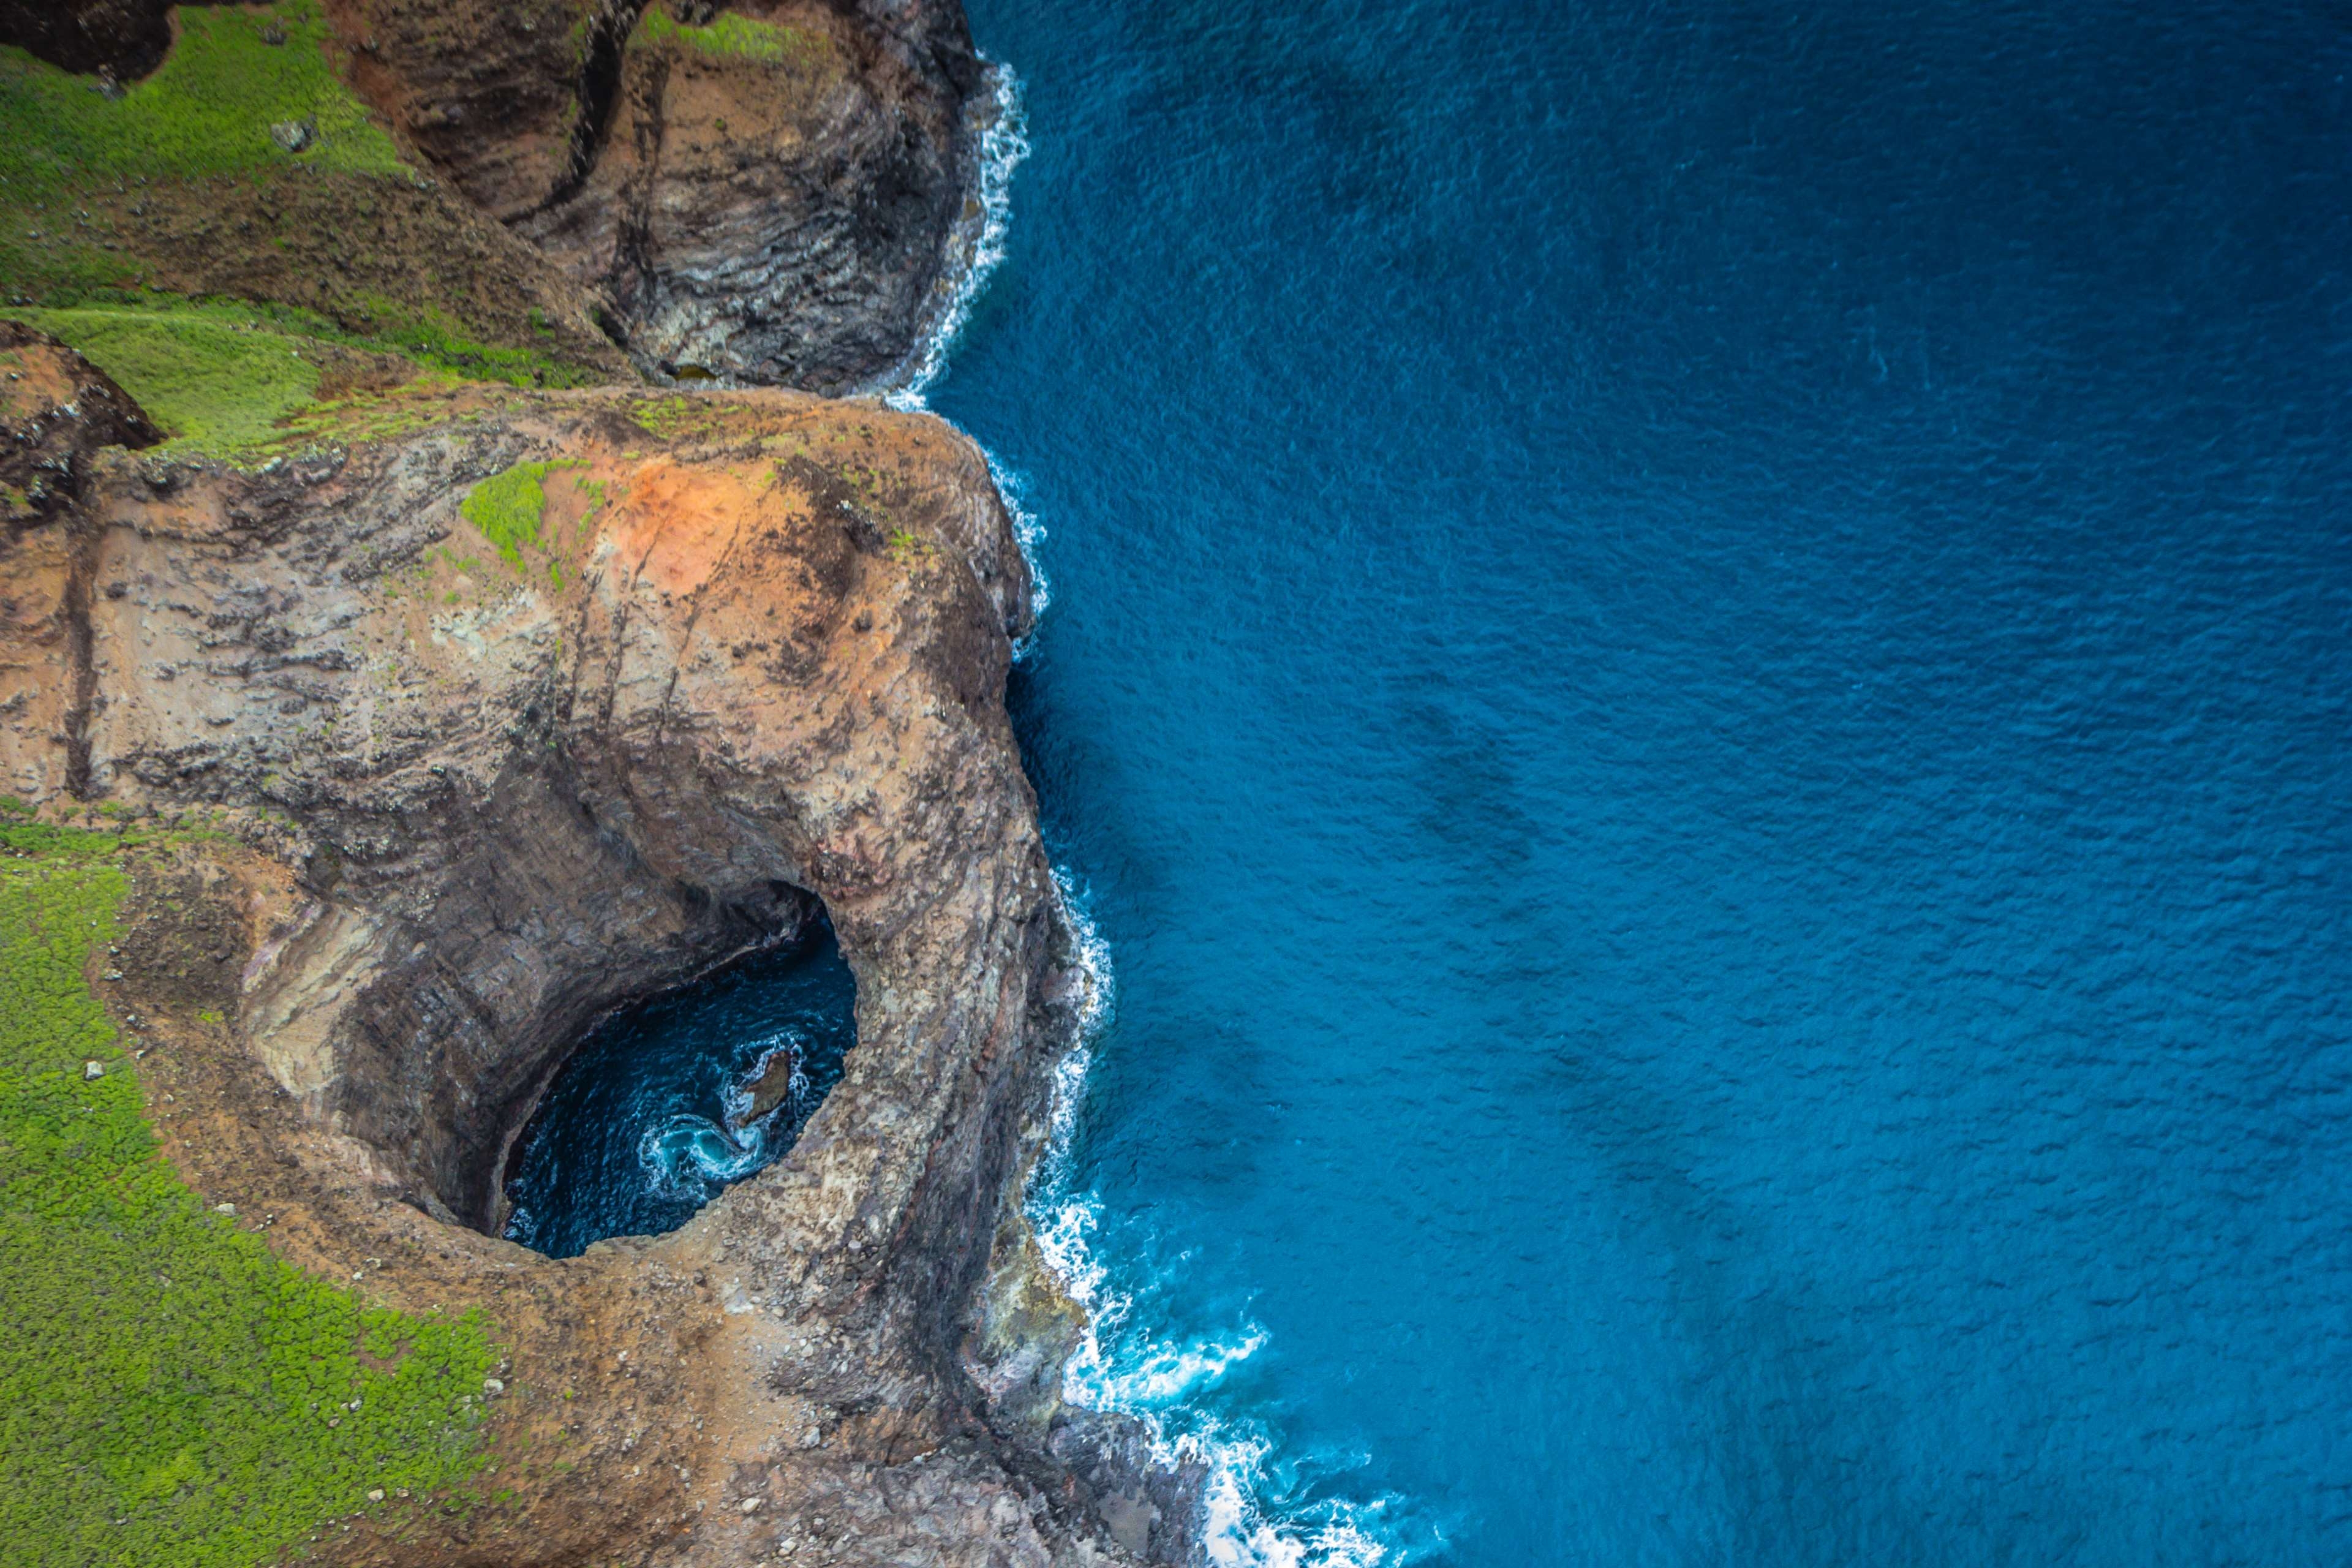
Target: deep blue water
{"points": [[640, 1128], [1699, 677]]}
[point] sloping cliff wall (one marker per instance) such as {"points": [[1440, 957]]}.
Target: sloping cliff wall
{"points": [[511, 705], [447, 712]]}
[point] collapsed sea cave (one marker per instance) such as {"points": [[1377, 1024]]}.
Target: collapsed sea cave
{"points": [[666, 1101]]}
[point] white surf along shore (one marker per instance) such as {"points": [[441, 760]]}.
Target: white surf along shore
{"points": [[1123, 1364]]}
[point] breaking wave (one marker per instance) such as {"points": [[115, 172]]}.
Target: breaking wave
{"points": [[1002, 141], [1122, 1364]]}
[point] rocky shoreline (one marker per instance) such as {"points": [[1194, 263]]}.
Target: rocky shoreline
{"points": [[476, 709]]}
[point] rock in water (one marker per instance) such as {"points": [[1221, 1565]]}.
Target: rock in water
{"points": [[771, 1086]]}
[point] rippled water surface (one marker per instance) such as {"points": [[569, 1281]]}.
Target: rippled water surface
{"points": [[1698, 679], [647, 1121]]}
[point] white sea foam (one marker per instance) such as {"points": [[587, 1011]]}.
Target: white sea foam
{"points": [[1121, 1366], [1030, 534], [1004, 142]]}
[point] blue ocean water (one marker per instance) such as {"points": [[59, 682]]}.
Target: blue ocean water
{"points": [[649, 1118], [1698, 679]]}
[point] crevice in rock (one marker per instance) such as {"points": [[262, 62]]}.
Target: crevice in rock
{"points": [[600, 86], [81, 656]]}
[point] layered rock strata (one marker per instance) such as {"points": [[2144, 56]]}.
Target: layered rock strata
{"points": [[503, 710], [765, 192], [771, 192]]}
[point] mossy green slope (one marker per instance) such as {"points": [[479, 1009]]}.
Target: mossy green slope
{"points": [[206, 110], [234, 380], [219, 378], [176, 184], [729, 36], [170, 1392]]}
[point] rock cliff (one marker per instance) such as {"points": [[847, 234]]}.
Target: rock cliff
{"points": [[495, 709], [450, 711], [775, 197], [767, 192], [773, 193]]}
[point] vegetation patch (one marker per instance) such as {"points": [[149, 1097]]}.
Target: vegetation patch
{"points": [[509, 509], [207, 110], [433, 338], [737, 37], [170, 1390], [683, 416], [246, 163], [243, 382], [218, 378]]}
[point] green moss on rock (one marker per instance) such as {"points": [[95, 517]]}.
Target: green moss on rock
{"points": [[732, 36], [509, 508], [241, 381], [250, 167], [217, 378], [171, 1392]]}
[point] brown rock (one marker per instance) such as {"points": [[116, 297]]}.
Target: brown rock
{"points": [[771, 1086], [58, 412], [776, 211], [779, 217], [751, 657], [56, 408]]}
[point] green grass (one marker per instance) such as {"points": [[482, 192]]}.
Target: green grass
{"points": [[681, 416], [166, 1383], [732, 36], [239, 381], [509, 508], [76, 168], [436, 339], [217, 377], [206, 110]]}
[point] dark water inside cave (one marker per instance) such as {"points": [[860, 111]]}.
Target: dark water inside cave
{"points": [[639, 1129], [1700, 676]]}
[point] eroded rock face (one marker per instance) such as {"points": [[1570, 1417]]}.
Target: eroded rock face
{"points": [[776, 206], [765, 191], [527, 706], [498, 97], [123, 38], [56, 410]]}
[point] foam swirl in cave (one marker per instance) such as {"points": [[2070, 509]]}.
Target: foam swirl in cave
{"points": [[653, 1114]]}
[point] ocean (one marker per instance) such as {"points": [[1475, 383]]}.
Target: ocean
{"points": [[1697, 687]]}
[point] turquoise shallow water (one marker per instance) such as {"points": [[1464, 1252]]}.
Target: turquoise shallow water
{"points": [[1697, 679]]}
